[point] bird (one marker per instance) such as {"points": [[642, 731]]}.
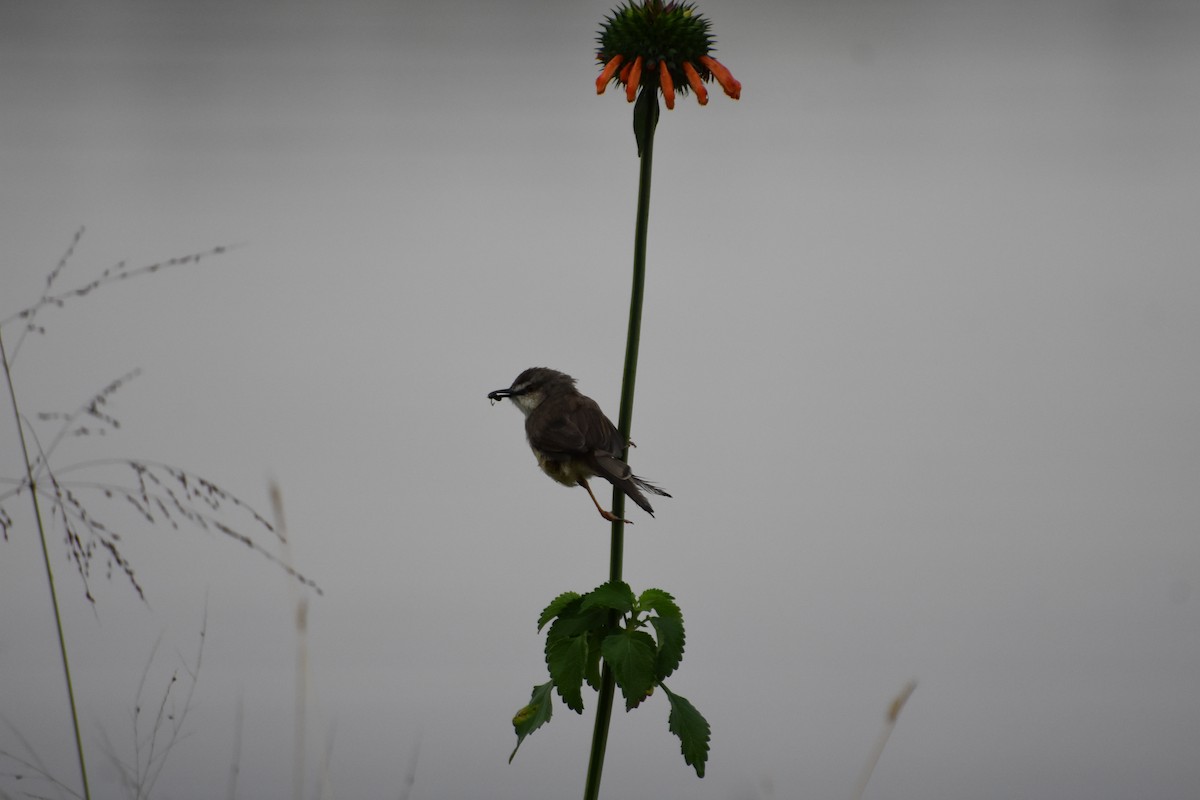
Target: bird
{"points": [[571, 437]]}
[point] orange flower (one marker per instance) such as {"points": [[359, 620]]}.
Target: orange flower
{"points": [[693, 79], [660, 45], [635, 80], [664, 82], [625, 70], [610, 69], [723, 76]]}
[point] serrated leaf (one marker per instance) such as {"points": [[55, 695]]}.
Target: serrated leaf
{"points": [[573, 621], [631, 656], [692, 729], [556, 607], [614, 596], [669, 632], [592, 672], [534, 715], [567, 661], [660, 602]]}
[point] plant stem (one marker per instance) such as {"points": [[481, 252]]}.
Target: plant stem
{"points": [[647, 119], [37, 514]]}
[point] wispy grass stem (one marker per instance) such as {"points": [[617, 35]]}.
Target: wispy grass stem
{"points": [[58, 626]]}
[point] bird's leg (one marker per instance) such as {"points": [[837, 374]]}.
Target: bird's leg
{"points": [[608, 515]]}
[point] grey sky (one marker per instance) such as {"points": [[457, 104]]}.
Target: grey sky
{"points": [[918, 366]]}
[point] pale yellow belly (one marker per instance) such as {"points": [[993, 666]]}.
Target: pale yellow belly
{"points": [[568, 473]]}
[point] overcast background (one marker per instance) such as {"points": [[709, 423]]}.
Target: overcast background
{"points": [[919, 365]]}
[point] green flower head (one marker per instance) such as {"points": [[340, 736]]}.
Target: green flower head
{"points": [[662, 46]]}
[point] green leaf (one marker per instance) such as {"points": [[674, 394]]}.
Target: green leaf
{"points": [[556, 607], [660, 603], [631, 656], [669, 631], [592, 669], [692, 729], [534, 715], [569, 626], [614, 596], [645, 117], [567, 660]]}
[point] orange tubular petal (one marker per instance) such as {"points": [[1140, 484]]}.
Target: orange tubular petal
{"points": [[623, 77], [610, 69], [667, 86], [723, 76], [635, 79], [694, 81]]}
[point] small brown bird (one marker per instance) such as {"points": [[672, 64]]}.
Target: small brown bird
{"points": [[571, 437]]}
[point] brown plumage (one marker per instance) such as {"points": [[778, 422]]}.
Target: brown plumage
{"points": [[571, 437]]}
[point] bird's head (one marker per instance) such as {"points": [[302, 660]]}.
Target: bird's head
{"points": [[533, 386]]}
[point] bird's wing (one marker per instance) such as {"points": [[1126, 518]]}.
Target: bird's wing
{"points": [[572, 426], [599, 434]]}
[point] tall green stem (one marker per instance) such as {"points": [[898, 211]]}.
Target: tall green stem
{"points": [[37, 515], [645, 118]]}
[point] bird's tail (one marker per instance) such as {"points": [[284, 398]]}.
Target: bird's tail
{"points": [[632, 488], [617, 472], [642, 483]]}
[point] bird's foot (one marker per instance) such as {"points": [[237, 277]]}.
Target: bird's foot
{"points": [[611, 517]]}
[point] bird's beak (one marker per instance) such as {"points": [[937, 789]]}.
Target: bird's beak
{"points": [[499, 394]]}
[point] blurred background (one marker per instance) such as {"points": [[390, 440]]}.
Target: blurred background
{"points": [[919, 366]]}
